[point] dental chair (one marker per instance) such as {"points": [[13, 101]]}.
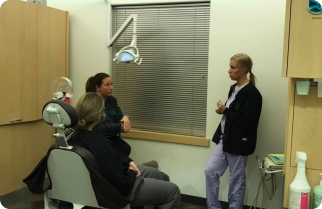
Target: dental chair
{"points": [[73, 171]]}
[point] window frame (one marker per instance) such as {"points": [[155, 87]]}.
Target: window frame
{"points": [[148, 135]]}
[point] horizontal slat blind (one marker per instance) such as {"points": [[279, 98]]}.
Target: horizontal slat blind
{"points": [[168, 91]]}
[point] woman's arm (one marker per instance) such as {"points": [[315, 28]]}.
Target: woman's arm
{"points": [[123, 120], [119, 114], [109, 129]]}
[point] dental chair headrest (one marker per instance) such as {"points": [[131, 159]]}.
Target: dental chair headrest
{"points": [[67, 113]]}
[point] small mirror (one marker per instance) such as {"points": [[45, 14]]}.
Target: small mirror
{"points": [[314, 6]]}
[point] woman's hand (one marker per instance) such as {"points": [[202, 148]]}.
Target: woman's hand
{"points": [[126, 124], [131, 168], [220, 108], [135, 168]]}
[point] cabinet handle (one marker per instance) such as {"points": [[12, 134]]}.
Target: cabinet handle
{"points": [[17, 120]]}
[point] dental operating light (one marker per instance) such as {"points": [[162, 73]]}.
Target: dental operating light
{"points": [[128, 53]]}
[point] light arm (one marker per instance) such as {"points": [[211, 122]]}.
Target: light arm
{"points": [[125, 25]]}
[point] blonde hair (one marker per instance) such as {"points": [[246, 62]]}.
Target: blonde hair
{"points": [[89, 107], [246, 63]]}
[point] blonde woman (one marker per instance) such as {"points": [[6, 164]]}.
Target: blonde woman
{"points": [[115, 122], [118, 169], [236, 134]]}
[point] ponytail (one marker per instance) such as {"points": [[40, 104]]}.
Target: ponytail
{"points": [[82, 124], [90, 85], [252, 78]]}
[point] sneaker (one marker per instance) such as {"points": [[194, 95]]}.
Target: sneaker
{"points": [[152, 163]]}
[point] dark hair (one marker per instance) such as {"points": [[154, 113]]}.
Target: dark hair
{"points": [[94, 81]]}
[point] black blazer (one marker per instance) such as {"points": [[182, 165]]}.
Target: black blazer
{"points": [[114, 164], [112, 125], [242, 121]]}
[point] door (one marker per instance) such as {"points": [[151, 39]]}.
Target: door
{"points": [[307, 131], [52, 51], [305, 43], [18, 62]]}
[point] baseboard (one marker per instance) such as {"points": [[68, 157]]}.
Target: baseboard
{"points": [[193, 200], [203, 202]]}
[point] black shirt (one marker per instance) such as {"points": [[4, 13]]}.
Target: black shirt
{"points": [[114, 164], [111, 127]]}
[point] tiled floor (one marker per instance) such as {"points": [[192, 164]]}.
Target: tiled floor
{"points": [[23, 199]]}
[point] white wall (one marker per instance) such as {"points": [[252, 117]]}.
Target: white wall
{"points": [[256, 28], [250, 26]]}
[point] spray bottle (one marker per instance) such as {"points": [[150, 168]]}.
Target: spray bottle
{"points": [[318, 196], [300, 188]]}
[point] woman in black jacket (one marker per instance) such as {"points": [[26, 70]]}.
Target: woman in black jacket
{"points": [[115, 122], [117, 168], [236, 134]]}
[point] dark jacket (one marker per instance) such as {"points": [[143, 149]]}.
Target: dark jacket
{"points": [[242, 121], [114, 164], [112, 125]]}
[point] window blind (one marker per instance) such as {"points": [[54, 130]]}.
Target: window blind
{"points": [[168, 92]]}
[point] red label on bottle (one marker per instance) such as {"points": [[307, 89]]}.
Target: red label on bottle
{"points": [[304, 201]]}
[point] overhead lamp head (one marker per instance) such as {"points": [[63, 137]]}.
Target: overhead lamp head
{"points": [[128, 54]]}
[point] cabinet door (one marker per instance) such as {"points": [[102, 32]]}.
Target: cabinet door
{"points": [[307, 129], [22, 147], [305, 43], [18, 62], [52, 51]]}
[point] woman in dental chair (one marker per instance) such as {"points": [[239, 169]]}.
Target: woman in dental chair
{"points": [[118, 169], [115, 122]]}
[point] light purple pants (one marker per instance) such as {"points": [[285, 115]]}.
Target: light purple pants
{"points": [[217, 165]]}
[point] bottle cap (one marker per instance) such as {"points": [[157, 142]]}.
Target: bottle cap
{"points": [[300, 159]]}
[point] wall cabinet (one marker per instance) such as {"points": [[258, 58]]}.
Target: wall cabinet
{"points": [[33, 52], [18, 62], [52, 51], [303, 133], [302, 56], [307, 128], [22, 147]]}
